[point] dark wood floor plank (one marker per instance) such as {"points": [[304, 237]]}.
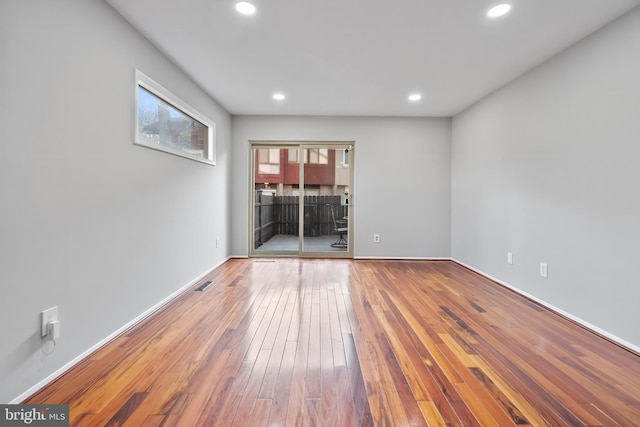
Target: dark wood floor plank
{"points": [[303, 342], [404, 386], [440, 376], [373, 353]]}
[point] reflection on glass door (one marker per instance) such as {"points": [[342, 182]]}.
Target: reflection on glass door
{"points": [[301, 200], [326, 185], [275, 218]]}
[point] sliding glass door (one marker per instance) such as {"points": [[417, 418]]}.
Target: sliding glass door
{"points": [[301, 199]]}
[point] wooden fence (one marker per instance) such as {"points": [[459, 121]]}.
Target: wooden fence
{"points": [[263, 218], [280, 215]]}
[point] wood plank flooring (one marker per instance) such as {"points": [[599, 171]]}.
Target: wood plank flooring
{"points": [[302, 342]]}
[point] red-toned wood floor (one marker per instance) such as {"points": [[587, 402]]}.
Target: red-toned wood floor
{"points": [[301, 342]]}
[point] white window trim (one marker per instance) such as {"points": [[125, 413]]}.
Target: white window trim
{"points": [[156, 89]]}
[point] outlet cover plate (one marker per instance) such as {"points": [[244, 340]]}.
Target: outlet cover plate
{"points": [[544, 270]]}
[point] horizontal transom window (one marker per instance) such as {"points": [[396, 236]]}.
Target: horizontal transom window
{"points": [[166, 123]]}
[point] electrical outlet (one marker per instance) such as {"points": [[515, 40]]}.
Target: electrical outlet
{"points": [[543, 270], [217, 242], [49, 315], [376, 238], [509, 258]]}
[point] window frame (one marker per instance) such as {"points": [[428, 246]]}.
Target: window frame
{"points": [[157, 90]]}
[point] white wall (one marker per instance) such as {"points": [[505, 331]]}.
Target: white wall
{"points": [[89, 222], [548, 168], [402, 178]]}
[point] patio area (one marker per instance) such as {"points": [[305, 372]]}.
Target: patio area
{"points": [[281, 242]]}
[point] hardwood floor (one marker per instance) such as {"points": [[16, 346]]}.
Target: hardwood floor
{"points": [[302, 342]]}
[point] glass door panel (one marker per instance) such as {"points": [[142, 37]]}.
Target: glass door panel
{"points": [[275, 202], [326, 184]]}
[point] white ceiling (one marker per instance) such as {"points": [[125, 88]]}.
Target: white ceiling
{"points": [[361, 57]]}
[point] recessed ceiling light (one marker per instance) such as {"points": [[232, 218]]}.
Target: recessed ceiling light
{"points": [[278, 96], [245, 8], [499, 10], [415, 97]]}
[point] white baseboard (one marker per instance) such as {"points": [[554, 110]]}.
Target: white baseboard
{"points": [[587, 325], [402, 258], [112, 336]]}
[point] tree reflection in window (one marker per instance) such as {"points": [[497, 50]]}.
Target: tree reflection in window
{"points": [[166, 123], [160, 123]]}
